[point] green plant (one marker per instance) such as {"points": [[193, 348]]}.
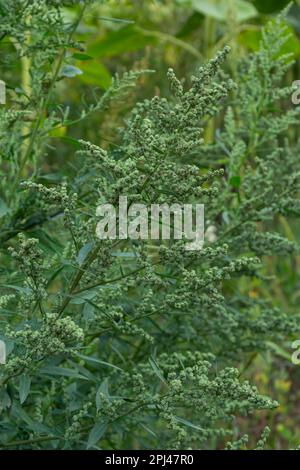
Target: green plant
{"points": [[137, 344]]}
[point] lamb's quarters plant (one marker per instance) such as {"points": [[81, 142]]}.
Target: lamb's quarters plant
{"points": [[119, 344]]}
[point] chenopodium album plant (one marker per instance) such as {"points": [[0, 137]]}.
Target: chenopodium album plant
{"points": [[115, 344]]}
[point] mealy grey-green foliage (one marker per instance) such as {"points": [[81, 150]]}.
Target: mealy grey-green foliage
{"points": [[114, 343]]}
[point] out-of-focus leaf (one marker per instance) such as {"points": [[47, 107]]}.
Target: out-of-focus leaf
{"points": [[251, 39], [279, 350], [95, 73], [116, 42], [70, 140], [3, 208], [115, 20], [81, 56], [220, 9], [58, 131], [192, 24], [69, 71], [97, 361], [235, 181], [270, 6]]}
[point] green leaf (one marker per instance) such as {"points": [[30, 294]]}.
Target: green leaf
{"points": [[270, 6], [116, 42], [251, 39], [83, 252], [97, 361], [69, 140], [115, 20], [80, 56], [83, 297], [95, 73], [54, 370], [192, 24], [157, 370], [220, 9], [189, 424], [279, 350], [235, 181], [4, 209], [69, 71], [24, 387], [103, 388], [96, 433]]}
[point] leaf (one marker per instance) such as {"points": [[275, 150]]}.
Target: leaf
{"points": [[69, 140], [148, 429], [83, 297], [95, 73], [55, 370], [97, 361], [124, 254], [279, 350], [188, 423], [96, 433], [83, 252], [116, 42], [220, 9], [270, 6], [191, 25], [252, 38], [23, 290], [235, 181], [157, 370], [24, 387], [80, 56], [3, 208], [69, 71], [115, 20], [103, 388]]}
